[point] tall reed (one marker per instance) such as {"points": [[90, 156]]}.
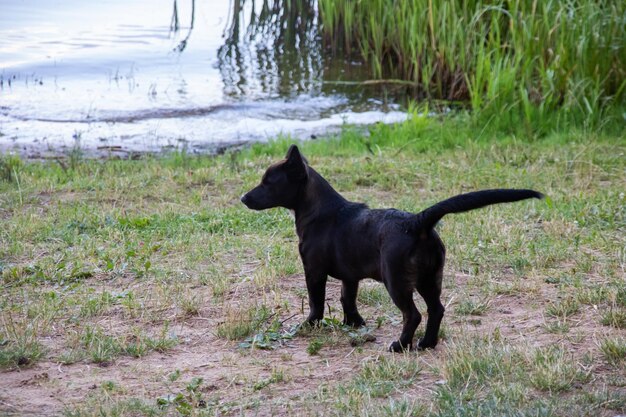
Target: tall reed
{"points": [[517, 59]]}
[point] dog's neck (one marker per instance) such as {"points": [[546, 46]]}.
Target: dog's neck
{"points": [[316, 198]]}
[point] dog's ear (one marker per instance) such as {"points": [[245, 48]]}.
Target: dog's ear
{"points": [[296, 163]]}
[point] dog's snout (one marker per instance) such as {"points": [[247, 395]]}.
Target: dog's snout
{"points": [[244, 199]]}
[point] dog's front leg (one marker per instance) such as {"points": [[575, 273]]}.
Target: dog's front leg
{"points": [[351, 315], [316, 287]]}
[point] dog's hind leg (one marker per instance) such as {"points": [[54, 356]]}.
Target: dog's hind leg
{"points": [[430, 290], [349, 291], [401, 293]]}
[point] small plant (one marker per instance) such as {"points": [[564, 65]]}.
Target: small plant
{"points": [[614, 350], [110, 386], [71, 356], [19, 346], [164, 342], [136, 345], [553, 370], [314, 347], [190, 305], [479, 362], [614, 317], [592, 296], [557, 326], [130, 303], [386, 374], [374, 296], [185, 402], [100, 347], [470, 307], [563, 308], [359, 337], [620, 296], [241, 323], [270, 338], [95, 306], [277, 376], [10, 167]]}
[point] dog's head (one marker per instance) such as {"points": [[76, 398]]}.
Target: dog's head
{"points": [[280, 184]]}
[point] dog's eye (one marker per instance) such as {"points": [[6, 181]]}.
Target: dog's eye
{"points": [[269, 179]]}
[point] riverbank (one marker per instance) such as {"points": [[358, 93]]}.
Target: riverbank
{"points": [[145, 286]]}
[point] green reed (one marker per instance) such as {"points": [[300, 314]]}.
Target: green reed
{"points": [[517, 59]]}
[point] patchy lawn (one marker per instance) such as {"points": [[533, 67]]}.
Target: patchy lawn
{"points": [[146, 288]]}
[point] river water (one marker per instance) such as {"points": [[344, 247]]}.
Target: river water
{"points": [[117, 76]]}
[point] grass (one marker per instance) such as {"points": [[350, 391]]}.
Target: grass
{"points": [[132, 271], [515, 62], [614, 350], [239, 324], [563, 308], [471, 307]]}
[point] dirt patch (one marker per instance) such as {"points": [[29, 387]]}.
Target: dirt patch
{"points": [[240, 378]]}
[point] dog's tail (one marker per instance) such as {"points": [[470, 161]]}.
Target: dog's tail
{"points": [[470, 201]]}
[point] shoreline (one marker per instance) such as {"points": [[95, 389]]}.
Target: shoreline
{"points": [[41, 151], [126, 141]]}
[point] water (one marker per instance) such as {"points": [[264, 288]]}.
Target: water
{"points": [[118, 76]]}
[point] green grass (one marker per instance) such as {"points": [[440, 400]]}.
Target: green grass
{"points": [[471, 307], [240, 323], [516, 62], [147, 266], [614, 350]]}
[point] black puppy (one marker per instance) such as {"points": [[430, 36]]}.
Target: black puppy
{"points": [[350, 242]]}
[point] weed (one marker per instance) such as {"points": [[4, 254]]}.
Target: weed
{"points": [[374, 296], [553, 370], [470, 307], [71, 356], [614, 350], [19, 345], [557, 326], [190, 305], [270, 338], [592, 296], [164, 342], [620, 296], [100, 347], [314, 346], [563, 308], [277, 376], [185, 402], [106, 406], [478, 362], [241, 323], [384, 375], [614, 317], [10, 167], [95, 306]]}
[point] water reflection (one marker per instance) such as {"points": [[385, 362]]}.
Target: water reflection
{"points": [[148, 74], [271, 46], [175, 25]]}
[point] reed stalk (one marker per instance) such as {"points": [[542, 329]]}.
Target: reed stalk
{"points": [[519, 59]]}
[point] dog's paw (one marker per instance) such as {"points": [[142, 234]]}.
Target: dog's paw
{"points": [[354, 321], [398, 348], [313, 320], [423, 345]]}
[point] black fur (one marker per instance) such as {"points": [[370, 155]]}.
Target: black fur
{"points": [[350, 242]]}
